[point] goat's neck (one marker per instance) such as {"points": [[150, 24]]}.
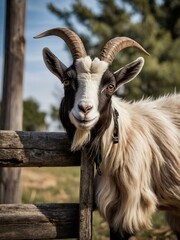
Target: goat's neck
{"points": [[108, 147], [98, 131]]}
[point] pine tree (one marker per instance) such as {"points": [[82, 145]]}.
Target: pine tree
{"points": [[154, 24]]}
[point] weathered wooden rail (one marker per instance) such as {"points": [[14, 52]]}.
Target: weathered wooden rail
{"points": [[46, 221]]}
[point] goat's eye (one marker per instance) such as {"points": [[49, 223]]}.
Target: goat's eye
{"points": [[66, 83], [110, 88]]}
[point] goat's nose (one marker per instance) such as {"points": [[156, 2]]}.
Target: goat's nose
{"points": [[85, 108]]}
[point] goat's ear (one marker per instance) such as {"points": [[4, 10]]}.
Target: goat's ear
{"points": [[53, 63], [128, 72]]}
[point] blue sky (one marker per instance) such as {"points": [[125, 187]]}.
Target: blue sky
{"points": [[39, 83]]}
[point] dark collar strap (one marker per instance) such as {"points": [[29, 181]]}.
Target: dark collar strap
{"points": [[116, 127], [98, 160], [115, 137]]}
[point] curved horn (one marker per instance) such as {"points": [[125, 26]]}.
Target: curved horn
{"points": [[71, 39], [115, 45]]}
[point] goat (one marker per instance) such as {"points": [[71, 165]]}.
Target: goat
{"points": [[139, 142]]}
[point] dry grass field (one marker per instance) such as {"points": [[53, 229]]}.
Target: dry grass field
{"points": [[61, 185]]}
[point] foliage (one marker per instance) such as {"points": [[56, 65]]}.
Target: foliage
{"points": [[54, 114], [155, 24], [33, 118]]}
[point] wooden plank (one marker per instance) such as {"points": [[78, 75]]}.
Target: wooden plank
{"points": [[86, 197], [36, 149], [37, 158], [12, 94], [45, 149], [40, 221], [38, 140]]}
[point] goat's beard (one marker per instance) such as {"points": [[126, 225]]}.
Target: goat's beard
{"points": [[81, 138]]}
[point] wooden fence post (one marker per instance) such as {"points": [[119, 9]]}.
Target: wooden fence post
{"points": [[86, 197], [12, 104]]}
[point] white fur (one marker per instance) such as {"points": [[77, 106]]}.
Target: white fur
{"points": [[81, 137], [89, 74], [142, 171]]}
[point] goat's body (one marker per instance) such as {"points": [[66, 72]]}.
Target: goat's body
{"points": [[142, 171]]}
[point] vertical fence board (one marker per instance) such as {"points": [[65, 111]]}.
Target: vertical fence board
{"points": [[12, 95], [86, 197]]}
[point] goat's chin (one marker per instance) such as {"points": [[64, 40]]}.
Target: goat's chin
{"points": [[83, 131], [83, 125], [81, 137]]}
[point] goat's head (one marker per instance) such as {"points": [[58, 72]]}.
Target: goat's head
{"points": [[89, 84]]}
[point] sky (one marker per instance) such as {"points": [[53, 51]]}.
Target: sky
{"points": [[39, 83]]}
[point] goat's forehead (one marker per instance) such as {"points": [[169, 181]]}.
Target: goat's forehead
{"points": [[88, 66]]}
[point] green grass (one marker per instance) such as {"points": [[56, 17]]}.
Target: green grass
{"points": [[61, 185]]}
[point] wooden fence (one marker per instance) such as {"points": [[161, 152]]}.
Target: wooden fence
{"points": [[46, 221]]}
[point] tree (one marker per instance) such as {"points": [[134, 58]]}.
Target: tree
{"points": [[11, 109], [166, 13], [33, 118], [54, 114], [154, 24]]}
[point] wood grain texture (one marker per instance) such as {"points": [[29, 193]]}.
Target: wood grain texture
{"points": [[86, 197], [12, 94], [36, 149], [46, 221], [40, 221]]}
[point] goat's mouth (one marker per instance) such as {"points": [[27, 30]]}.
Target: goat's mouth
{"points": [[86, 123]]}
